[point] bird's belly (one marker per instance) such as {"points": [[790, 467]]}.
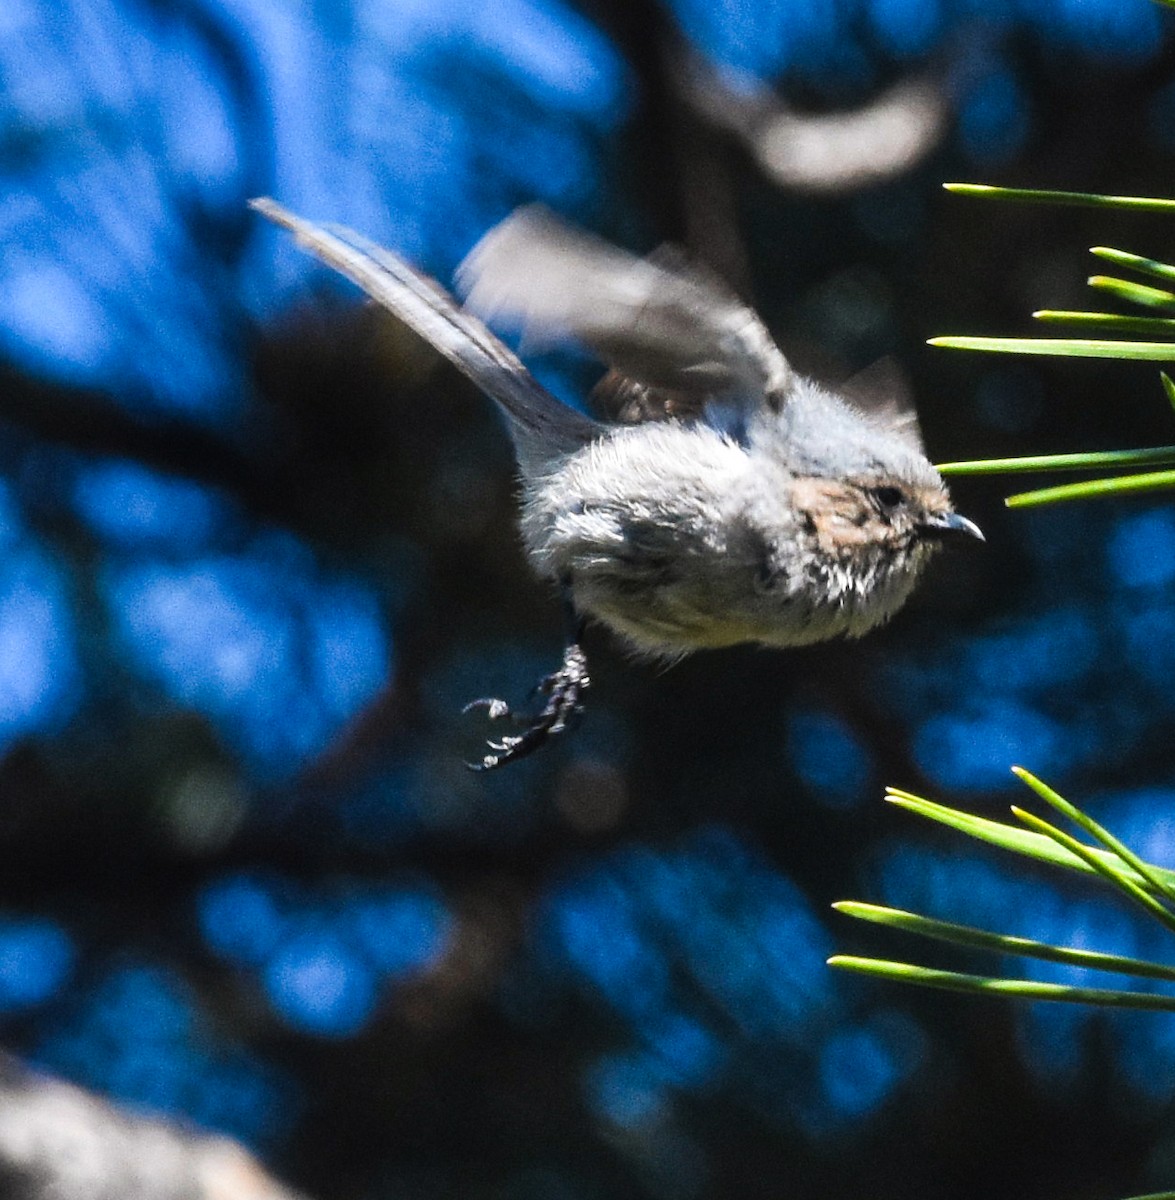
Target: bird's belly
{"points": [[672, 620], [671, 617]]}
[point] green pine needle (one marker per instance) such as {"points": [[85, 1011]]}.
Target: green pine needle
{"points": [[1151, 456], [1133, 293], [1062, 347], [988, 985], [1108, 866], [1069, 199], [1139, 880], [1135, 262], [1114, 322], [1013, 838], [1160, 884], [981, 939], [1168, 387], [1095, 489]]}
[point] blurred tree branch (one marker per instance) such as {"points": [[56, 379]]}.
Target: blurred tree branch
{"points": [[58, 1142]]}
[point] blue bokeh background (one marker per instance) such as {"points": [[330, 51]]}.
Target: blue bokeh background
{"points": [[258, 550]]}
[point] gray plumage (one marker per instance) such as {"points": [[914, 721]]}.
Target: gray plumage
{"points": [[752, 513], [747, 505]]}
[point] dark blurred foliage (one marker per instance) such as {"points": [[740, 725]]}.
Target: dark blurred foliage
{"points": [[259, 549]]}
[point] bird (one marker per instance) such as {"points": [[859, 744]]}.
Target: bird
{"points": [[716, 497]]}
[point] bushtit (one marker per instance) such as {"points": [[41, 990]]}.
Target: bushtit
{"points": [[725, 500]]}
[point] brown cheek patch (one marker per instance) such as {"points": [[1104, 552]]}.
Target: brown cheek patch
{"points": [[841, 518], [813, 495], [931, 499]]}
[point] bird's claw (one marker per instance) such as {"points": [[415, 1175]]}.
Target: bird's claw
{"points": [[495, 709], [564, 690]]}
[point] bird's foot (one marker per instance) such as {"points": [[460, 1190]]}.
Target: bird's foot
{"points": [[564, 691]]}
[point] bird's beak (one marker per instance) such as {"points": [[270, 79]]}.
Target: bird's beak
{"points": [[941, 524]]}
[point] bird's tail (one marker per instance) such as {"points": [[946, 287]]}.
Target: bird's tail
{"points": [[543, 428]]}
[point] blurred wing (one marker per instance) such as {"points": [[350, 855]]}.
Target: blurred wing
{"points": [[658, 321], [540, 423], [883, 393]]}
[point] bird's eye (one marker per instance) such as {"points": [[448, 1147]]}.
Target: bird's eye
{"points": [[890, 497]]}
